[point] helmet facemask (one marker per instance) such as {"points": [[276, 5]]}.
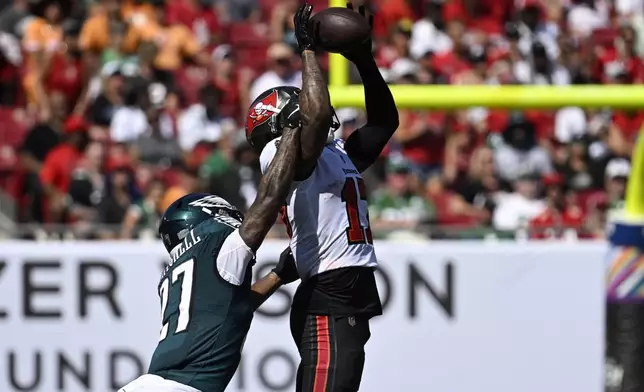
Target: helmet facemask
{"points": [[335, 125]]}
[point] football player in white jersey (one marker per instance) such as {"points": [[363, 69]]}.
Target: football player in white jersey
{"points": [[326, 212]]}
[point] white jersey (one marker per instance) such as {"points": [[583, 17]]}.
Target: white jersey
{"points": [[327, 214]]}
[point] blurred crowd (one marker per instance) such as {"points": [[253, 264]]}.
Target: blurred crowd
{"points": [[112, 109]]}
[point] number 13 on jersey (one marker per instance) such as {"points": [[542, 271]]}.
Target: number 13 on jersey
{"points": [[353, 191]]}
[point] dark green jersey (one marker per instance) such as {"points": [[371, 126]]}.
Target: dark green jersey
{"points": [[205, 318]]}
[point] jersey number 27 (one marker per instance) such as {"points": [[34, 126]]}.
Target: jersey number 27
{"points": [[185, 269]]}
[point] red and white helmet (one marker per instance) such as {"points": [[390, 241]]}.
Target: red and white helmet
{"points": [[273, 110]]}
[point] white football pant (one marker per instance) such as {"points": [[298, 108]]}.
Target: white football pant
{"points": [[152, 383]]}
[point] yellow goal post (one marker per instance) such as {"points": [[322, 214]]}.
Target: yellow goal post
{"points": [[510, 97]]}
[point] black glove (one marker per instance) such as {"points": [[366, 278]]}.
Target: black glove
{"points": [[305, 41], [290, 115], [286, 269], [363, 52]]}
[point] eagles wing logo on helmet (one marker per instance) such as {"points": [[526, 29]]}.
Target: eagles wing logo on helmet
{"points": [[212, 202], [216, 202], [262, 111]]}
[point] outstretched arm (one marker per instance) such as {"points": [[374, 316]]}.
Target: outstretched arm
{"points": [[365, 145], [284, 273], [264, 288], [272, 191], [315, 104]]}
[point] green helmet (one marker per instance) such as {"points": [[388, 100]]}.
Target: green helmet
{"points": [[189, 211]]}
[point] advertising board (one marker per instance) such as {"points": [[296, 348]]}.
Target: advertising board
{"points": [[459, 316]]}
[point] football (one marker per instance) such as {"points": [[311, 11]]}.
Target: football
{"points": [[339, 29]]}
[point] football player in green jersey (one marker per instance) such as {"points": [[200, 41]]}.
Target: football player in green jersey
{"points": [[207, 301]]}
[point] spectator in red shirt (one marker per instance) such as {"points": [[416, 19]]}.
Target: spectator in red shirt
{"points": [[479, 71], [419, 137], [623, 130], [484, 15], [620, 63], [234, 83], [451, 208], [197, 15], [66, 66], [454, 61], [397, 46], [561, 217], [56, 171], [389, 13]]}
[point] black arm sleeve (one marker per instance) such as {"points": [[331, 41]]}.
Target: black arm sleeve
{"points": [[365, 145]]}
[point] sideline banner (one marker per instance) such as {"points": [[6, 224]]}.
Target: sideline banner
{"points": [[459, 316]]}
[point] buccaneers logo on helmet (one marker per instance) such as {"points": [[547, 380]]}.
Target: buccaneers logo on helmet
{"points": [[262, 111]]}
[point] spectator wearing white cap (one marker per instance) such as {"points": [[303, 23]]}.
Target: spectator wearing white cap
{"points": [[570, 123], [407, 71], [403, 71], [618, 168], [616, 175], [604, 206], [281, 71]]}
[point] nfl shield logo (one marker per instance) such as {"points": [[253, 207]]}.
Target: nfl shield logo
{"points": [[352, 321]]}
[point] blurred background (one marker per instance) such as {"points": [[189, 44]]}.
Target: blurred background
{"points": [[112, 109]]}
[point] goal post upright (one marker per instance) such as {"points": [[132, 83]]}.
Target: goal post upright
{"points": [[338, 65]]}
